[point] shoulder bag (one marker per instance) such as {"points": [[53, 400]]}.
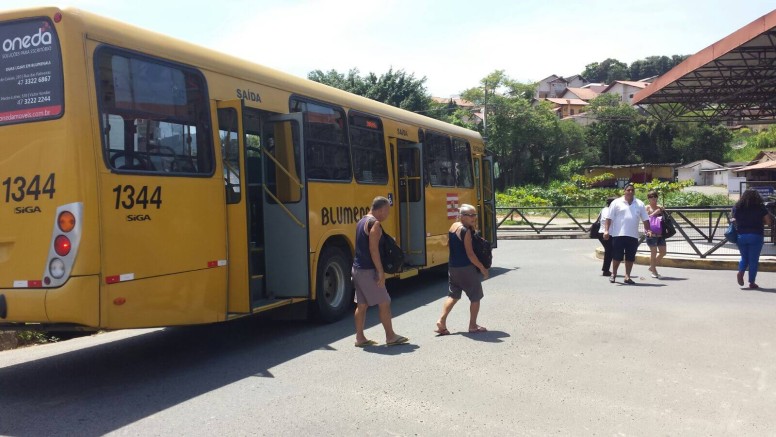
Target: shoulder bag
{"points": [[482, 249], [667, 226], [595, 228]]}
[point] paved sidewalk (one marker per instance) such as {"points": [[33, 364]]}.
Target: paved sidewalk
{"points": [[725, 258], [723, 262]]}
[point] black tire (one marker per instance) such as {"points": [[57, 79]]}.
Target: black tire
{"points": [[334, 287]]}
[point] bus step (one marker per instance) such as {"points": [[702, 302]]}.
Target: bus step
{"points": [[265, 304], [256, 249]]}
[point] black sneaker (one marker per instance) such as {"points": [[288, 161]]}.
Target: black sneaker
{"points": [[606, 273]]}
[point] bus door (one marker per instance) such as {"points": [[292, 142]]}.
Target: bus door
{"points": [[285, 208], [412, 213], [488, 224], [230, 128]]}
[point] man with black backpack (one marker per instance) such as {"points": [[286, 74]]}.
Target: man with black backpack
{"points": [[369, 274], [464, 269]]}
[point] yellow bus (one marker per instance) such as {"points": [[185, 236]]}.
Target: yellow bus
{"points": [[149, 182]]}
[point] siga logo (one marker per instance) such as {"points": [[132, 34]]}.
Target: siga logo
{"points": [[27, 209], [138, 218], [27, 41]]}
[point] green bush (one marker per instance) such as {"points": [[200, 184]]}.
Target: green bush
{"points": [[577, 193]]}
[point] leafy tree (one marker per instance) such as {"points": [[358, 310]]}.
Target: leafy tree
{"points": [[606, 72], [352, 83], [653, 66], [655, 141], [529, 142], [704, 141], [395, 87], [614, 131]]}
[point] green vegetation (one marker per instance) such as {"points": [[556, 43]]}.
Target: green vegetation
{"points": [[25, 338], [747, 144], [578, 192], [609, 70], [395, 87]]}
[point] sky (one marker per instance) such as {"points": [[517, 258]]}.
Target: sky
{"points": [[452, 43]]}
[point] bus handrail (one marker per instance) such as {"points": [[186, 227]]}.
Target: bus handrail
{"points": [[281, 167], [290, 214]]}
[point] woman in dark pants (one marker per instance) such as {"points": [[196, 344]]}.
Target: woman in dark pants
{"points": [[607, 244], [751, 217]]}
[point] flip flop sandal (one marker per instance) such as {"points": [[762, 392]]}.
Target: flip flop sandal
{"points": [[399, 340], [366, 343]]}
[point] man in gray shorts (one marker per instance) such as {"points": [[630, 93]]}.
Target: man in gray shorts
{"points": [[464, 270], [369, 277]]}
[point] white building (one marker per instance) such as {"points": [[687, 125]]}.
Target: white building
{"points": [[703, 172], [625, 89]]}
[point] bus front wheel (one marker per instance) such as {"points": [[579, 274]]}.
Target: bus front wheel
{"points": [[334, 288]]}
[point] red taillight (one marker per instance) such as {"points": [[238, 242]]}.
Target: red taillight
{"points": [[57, 17], [62, 245], [66, 221]]}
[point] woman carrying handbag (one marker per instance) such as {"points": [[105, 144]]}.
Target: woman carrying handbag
{"points": [[750, 217]]}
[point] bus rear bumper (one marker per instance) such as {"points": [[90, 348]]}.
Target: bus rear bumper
{"points": [[76, 302]]}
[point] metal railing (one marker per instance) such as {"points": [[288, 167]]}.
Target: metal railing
{"points": [[699, 230], [532, 218]]}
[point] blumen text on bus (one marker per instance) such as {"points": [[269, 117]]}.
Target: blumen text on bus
{"points": [[342, 215]]}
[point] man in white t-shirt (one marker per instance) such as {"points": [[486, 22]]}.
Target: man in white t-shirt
{"points": [[622, 225]]}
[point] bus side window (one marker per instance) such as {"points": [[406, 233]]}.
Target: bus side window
{"points": [[462, 155], [327, 154], [439, 160], [155, 115], [230, 152], [368, 149]]}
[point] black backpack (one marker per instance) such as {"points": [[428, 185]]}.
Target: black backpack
{"points": [[391, 254], [482, 249]]}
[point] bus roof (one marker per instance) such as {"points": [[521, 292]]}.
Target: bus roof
{"points": [[124, 35]]}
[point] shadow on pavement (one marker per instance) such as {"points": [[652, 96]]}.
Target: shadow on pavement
{"points": [[80, 390], [398, 349], [488, 336], [640, 284], [762, 290], [497, 271]]}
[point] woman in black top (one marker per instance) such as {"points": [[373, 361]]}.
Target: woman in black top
{"points": [[750, 218]]}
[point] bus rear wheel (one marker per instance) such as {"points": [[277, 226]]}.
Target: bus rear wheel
{"points": [[334, 288]]}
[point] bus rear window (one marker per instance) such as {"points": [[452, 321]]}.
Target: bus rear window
{"points": [[154, 115], [31, 85]]}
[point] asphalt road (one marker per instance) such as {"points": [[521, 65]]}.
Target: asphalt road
{"points": [[567, 354]]}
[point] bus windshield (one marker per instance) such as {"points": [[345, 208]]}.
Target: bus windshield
{"points": [[31, 85]]}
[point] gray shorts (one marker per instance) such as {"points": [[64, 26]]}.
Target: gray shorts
{"points": [[465, 279], [367, 291]]}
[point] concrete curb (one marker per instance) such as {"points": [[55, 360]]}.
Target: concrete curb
{"points": [[727, 263], [542, 236]]}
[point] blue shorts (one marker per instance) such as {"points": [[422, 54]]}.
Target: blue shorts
{"points": [[624, 247], [655, 241]]}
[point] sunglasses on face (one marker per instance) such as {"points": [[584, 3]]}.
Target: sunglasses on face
{"points": [[652, 197], [470, 215], [629, 189]]}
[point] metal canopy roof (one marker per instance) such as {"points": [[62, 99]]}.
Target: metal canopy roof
{"points": [[732, 79]]}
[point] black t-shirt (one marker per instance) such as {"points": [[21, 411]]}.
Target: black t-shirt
{"points": [[750, 220]]}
